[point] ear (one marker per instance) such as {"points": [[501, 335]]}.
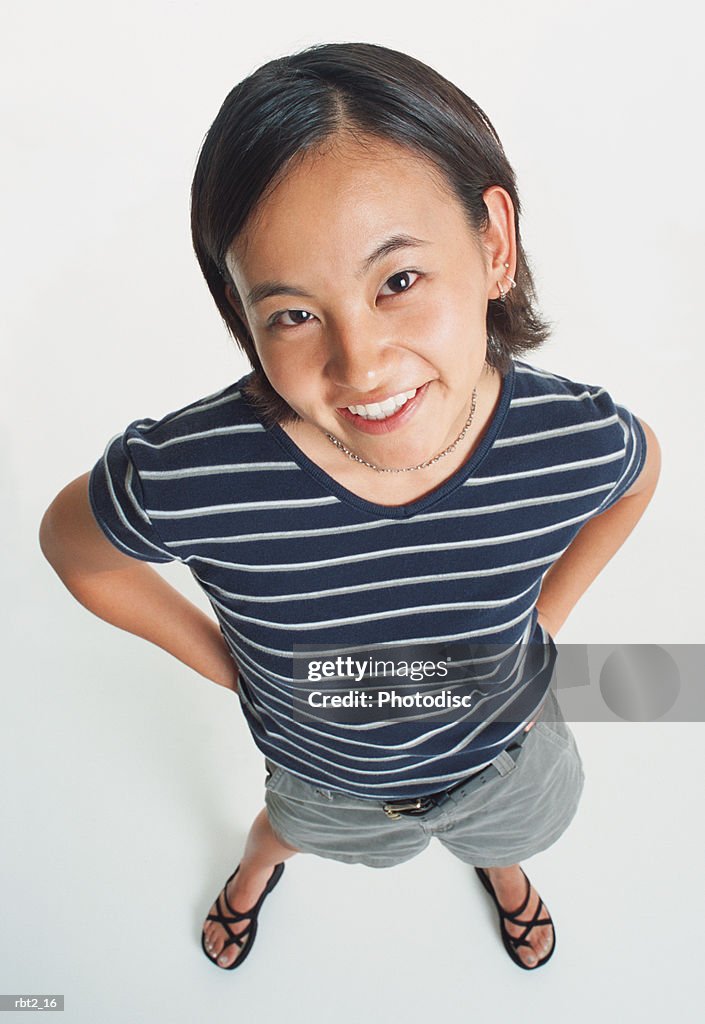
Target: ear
{"points": [[499, 241]]}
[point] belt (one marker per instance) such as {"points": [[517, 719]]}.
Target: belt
{"points": [[421, 805]]}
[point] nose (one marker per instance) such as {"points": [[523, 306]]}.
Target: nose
{"points": [[358, 356]]}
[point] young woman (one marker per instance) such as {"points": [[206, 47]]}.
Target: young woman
{"points": [[390, 476]]}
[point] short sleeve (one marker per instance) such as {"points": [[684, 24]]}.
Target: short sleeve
{"points": [[118, 502], [632, 458]]}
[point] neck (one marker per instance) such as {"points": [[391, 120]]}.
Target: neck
{"points": [[398, 488]]}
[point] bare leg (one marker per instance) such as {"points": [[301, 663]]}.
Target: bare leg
{"points": [[510, 887], [262, 851]]}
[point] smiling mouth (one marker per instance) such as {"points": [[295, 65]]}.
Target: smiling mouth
{"points": [[381, 417], [383, 410]]}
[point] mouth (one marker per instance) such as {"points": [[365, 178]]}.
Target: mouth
{"points": [[383, 417]]}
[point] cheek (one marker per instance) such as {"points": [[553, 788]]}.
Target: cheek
{"points": [[287, 371], [451, 328]]}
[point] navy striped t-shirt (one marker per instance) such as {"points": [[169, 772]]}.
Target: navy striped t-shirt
{"points": [[288, 557]]}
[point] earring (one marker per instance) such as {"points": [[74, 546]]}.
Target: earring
{"points": [[512, 284]]}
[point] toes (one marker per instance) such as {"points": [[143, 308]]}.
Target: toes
{"points": [[215, 939], [541, 942], [546, 943], [540, 938], [228, 955], [528, 956], [216, 948]]}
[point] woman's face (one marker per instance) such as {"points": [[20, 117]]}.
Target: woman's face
{"points": [[362, 284]]}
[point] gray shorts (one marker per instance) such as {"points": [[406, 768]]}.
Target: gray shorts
{"points": [[515, 814]]}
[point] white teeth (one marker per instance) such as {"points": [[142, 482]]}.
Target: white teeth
{"points": [[382, 410]]}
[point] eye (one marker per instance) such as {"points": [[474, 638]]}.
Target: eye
{"points": [[276, 321], [404, 281]]}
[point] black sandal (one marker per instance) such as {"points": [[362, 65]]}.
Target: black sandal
{"points": [[247, 936], [512, 943]]}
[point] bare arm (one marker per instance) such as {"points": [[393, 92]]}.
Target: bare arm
{"points": [[596, 543], [599, 539], [127, 592]]}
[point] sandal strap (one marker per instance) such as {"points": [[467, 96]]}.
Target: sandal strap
{"points": [[224, 921], [235, 940], [528, 926], [253, 911], [513, 915], [520, 910], [226, 915], [235, 916], [514, 918]]}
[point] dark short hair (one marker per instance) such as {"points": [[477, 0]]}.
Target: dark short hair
{"points": [[291, 105]]}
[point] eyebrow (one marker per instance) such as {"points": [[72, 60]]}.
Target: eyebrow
{"points": [[267, 289]]}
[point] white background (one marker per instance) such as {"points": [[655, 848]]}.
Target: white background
{"points": [[134, 780]]}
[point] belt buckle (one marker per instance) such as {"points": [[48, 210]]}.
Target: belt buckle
{"points": [[394, 810]]}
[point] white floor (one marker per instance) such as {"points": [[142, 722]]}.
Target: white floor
{"points": [[133, 785]]}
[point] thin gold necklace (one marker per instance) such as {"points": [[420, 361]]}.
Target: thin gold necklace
{"points": [[421, 465]]}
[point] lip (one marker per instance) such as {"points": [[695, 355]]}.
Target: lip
{"points": [[393, 422]]}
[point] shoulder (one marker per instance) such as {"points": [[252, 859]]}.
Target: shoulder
{"points": [[222, 411], [573, 422], [156, 472], [221, 426], [536, 385], [545, 401]]}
